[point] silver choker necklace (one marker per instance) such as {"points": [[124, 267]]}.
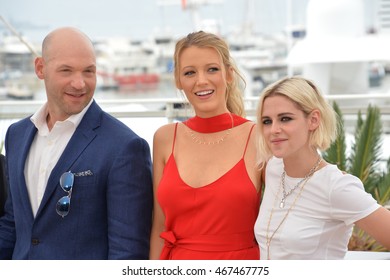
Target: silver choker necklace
{"points": [[285, 194]]}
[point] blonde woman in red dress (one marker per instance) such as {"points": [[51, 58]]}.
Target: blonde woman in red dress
{"points": [[206, 183]]}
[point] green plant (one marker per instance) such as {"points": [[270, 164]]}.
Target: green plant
{"points": [[363, 161]]}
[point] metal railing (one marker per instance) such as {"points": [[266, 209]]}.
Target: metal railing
{"points": [[172, 109], [145, 116], [168, 107]]}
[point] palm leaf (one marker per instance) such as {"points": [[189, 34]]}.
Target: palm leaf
{"points": [[382, 188], [358, 128], [335, 154], [365, 154]]}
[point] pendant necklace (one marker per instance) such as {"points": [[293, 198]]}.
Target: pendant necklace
{"points": [[285, 194], [282, 183]]}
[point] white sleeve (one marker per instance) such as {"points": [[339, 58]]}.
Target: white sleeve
{"points": [[349, 200]]}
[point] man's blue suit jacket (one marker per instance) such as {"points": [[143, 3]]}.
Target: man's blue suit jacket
{"points": [[110, 210]]}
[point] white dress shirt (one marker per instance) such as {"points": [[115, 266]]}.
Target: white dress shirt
{"points": [[45, 150]]}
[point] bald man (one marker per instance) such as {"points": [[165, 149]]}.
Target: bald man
{"points": [[80, 183]]}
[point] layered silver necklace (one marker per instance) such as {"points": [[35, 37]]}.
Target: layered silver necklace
{"points": [[285, 193]]}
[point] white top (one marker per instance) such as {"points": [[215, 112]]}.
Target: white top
{"points": [[45, 150], [319, 226]]}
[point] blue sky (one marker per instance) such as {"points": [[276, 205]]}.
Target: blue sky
{"points": [[140, 18]]}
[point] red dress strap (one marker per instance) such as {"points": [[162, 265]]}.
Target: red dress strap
{"points": [[174, 138], [247, 140]]}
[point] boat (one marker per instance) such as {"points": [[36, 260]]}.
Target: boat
{"points": [[337, 52], [17, 91], [122, 62], [17, 76], [260, 58]]}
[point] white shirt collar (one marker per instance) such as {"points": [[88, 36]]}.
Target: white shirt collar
{"points": [[39, 118]]}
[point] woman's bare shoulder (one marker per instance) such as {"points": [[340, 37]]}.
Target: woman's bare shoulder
{"points": [[164, 134], [165, 129]]}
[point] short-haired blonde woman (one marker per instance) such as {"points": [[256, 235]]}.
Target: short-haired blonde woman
{"points": [[309, 206]]}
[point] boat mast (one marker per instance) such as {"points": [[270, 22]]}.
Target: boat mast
{"points": [[13, 30]]}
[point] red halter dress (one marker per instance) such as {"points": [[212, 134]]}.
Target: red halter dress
{"points": [[212, 222]]}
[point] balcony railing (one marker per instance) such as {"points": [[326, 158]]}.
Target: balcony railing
{"points": [[144, 116], [173, 108]]}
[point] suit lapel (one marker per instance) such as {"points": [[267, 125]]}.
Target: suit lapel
{"points": [[82, 137]]}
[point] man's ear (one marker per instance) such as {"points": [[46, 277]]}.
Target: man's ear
{"points": [[39, 67]]}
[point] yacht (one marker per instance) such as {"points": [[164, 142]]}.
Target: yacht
{"points": [[17, 76], [122, 62]]}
